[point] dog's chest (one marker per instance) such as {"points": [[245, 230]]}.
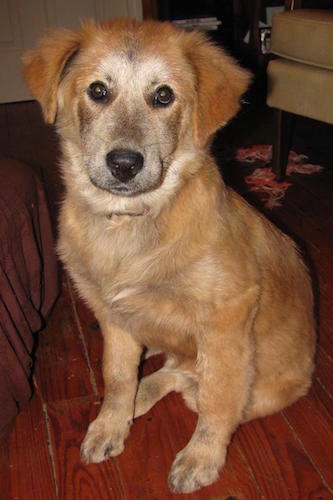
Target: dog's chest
{"points": [[107, 257]]}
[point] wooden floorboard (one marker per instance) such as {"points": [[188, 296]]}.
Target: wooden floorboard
{"points": [[92, 337], [324, 370], [62, 372], [147, 449], [68, 422], [26, 470], [311, 420], [279, 464], [284, 456]]}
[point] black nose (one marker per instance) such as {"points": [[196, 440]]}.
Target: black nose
{"points": [[124, 163]]}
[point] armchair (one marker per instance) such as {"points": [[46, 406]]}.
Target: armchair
{"points": [[300, 77]]}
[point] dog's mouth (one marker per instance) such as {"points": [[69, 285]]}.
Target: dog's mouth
{"points": [[134, 188], [117, 189], [146, 180], [121, 190]]}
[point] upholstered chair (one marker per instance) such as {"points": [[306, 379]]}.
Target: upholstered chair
{"points": [[300, 74]]}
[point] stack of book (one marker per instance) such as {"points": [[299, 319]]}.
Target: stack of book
{"points": [[199, 23]]}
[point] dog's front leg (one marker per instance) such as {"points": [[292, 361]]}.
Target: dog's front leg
{"points": [[225, 372], [121, 356]]}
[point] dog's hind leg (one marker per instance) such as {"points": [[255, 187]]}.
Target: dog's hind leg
{"points": [[157, 385]]}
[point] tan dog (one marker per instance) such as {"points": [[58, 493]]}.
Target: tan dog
{"points": [[163, 252]]}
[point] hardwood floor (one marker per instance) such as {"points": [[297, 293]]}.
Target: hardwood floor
{"points": [[285, 456]]}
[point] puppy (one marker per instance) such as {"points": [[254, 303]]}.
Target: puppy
{"points": [[163, 252]]}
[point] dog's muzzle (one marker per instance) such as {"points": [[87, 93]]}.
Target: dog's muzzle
{"points": [[124, 164]]}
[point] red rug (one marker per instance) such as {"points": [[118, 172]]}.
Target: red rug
{"points": [[263, 180]]}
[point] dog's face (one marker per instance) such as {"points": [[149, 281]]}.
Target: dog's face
{"points": [[131, 100], [126, 110]]}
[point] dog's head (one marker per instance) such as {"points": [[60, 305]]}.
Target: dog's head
{"points": [[132, 100]]}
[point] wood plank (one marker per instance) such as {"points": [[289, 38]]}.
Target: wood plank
{"points": [[25, 464], [278, 462], [68, 421], [144, 469], [145, 463], [325, 333], [318, 188], [92, 337], [311, 420], [324, 370], [319, 243], [310, 229], [61, 367]]}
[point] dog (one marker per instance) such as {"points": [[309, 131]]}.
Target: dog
{"points": [[167, 256]]}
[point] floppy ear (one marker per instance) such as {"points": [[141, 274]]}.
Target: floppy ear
{"points": [[44, 66], [220, 85]]}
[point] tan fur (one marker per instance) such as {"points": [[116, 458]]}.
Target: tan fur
{"points": [[181, 264]]}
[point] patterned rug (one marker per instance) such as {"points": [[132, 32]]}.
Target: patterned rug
{"points": [[263, 180]]}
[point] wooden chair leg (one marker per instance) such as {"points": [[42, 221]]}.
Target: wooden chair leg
{"points": [[281, 143]]}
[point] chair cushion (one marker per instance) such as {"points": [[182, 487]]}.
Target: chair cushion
{"points": [[305, 36], [301, 89]]}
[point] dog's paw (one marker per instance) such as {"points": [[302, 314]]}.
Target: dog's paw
{"points": [[101, 442], [190, 472]]}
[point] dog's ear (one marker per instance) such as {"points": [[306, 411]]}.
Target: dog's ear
{"points": [[45, 65], [220, 83]]}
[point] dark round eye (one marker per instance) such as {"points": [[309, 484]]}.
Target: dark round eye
{"points": [[163, 96], [98, 92]]}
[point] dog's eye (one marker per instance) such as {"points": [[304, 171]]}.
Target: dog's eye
{"points": [[98, 92], [163, 96]]}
